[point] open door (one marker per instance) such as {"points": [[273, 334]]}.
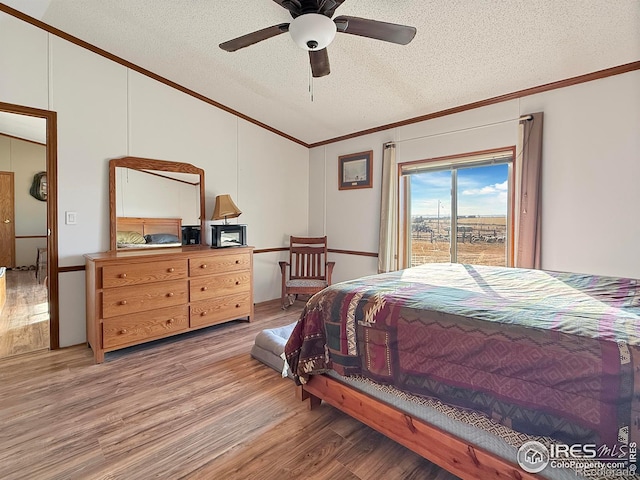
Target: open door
{"points": [[7, 220]]}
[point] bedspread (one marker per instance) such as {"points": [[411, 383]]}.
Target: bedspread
{"points": [[544, 353]]}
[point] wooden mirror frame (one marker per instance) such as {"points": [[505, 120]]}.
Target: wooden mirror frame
{"points": [[148, 164]]}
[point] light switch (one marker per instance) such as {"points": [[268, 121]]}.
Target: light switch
{"points": [[71, 218]]}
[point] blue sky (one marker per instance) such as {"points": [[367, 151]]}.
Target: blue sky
{"points": [[481, 191]]}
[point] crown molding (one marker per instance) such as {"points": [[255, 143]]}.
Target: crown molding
{"points": [[608, 72]]}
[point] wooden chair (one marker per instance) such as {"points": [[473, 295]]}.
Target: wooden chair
{"points": [[309, 270]]}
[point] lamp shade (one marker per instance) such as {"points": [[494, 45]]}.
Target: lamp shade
{"points": [[225, 208], [312, 31]]}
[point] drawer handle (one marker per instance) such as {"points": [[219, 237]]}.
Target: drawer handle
{"points": [[123, 302], [237, 262], [237, 282], [123, 275], [237, 305], [170, 321], [171, 270], [204, 289], [123, 331], [203, 313], [204, 265], [170, 294]]}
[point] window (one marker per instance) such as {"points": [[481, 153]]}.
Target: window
{"points": [[471, 195]]}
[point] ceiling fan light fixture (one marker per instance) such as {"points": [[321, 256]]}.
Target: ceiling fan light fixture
{"points": [[312, 31]]}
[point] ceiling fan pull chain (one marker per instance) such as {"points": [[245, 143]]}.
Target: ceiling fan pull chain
{"points": [[310, 83]]}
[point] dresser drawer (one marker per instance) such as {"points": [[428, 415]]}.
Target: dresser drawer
{"points": [[125, 300], [137, 273], [210, 312], [219, 285], [232, 262], [144, 326]]}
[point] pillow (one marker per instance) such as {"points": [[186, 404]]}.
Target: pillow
{"points": [[161, 238], [130, 237]]}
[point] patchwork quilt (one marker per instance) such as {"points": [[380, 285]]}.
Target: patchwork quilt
{"points": [[544, 353]]}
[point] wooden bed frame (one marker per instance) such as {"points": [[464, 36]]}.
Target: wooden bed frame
{"points": [[149, 226], [440, 447]]}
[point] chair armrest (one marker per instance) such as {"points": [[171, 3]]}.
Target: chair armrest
{"points": [[330, 266], [283, 267]]}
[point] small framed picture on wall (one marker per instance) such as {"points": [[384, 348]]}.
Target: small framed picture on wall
{"points": [[355, 170]]}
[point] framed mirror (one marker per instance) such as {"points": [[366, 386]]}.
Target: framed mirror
{"points": [[155, 203]]}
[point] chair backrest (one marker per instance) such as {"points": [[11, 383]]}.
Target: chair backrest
{"points": [[308, 258]]}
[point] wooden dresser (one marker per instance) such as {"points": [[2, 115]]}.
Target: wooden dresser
{"points": [[138, 296]]}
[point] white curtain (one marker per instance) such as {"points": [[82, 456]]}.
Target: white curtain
{"points": [[388, 248]]}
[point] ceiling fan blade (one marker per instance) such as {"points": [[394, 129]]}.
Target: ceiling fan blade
{"points": [[388, 32], [255, 37], [319, 62]]}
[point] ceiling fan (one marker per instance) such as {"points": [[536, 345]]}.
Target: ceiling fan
{"points": [[313, 29]]}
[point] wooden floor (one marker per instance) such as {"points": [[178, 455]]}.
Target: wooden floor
{"points": [[195, 406], [24, 320]]}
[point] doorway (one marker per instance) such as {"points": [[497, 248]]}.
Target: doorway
{"points": [[31, 276]]}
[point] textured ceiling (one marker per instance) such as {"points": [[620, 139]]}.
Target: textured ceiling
{"points": [[464, 51]]}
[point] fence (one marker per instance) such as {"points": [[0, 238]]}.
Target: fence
{"points": [[479, 240]]}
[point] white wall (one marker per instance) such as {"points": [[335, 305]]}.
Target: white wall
{"points": [[25, 159], [590, 173], [23, 63], [106, 111], [273, 194], [350, 218], [591, 168], [89, 93]]}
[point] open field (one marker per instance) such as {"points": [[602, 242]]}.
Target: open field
{"points": [[423, 251], [497, 221]]}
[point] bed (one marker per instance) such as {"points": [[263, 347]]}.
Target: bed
{"points": [[137, 232], [548, 355]]}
